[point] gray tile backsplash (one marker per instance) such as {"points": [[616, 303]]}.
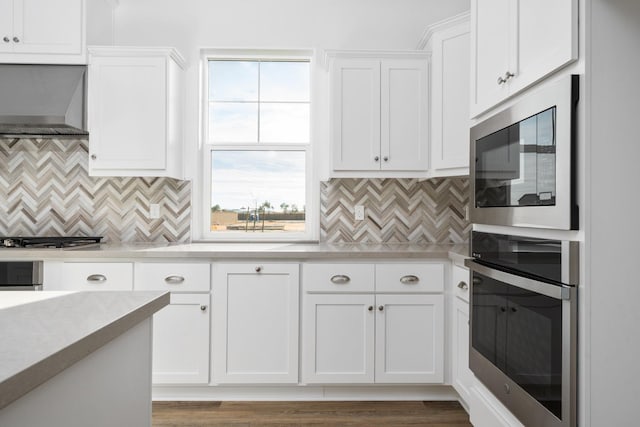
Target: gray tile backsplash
{"points": [[45, 189]]}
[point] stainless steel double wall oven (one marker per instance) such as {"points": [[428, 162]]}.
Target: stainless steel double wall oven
{"points": [[523, 306]]}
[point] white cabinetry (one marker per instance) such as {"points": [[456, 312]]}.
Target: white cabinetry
{"points": [[135, 111], [511, 50], [181, 331], [88, 276], [379, 111], [448, 42], [366, 323], [255, 323], [42, 27], [52, 31], [462, 377]]}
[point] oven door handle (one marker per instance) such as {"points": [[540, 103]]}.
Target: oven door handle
{"points": [[561, 292]]}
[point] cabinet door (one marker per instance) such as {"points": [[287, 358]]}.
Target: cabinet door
{"points": [[6, 26], [355, 105], [404, 115], [255, 323], [409, 339], [127, 112], [462, 377], [543, 49], [181, 341], [450, 99], [48, 26], [491, 32], [338, 339]]}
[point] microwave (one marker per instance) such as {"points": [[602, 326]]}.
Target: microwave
{"points": [[523, 161]]}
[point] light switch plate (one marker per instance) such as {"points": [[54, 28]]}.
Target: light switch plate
{"points": [[154, 211], [359, 212]]}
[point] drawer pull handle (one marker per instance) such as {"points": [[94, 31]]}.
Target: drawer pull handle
{"points": [[174, 280], [340, 279], [409, 279], [462, 285], [97, 278], [258, 269], [203, 308]]}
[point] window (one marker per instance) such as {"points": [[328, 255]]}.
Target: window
{"points": [[257, 147]]}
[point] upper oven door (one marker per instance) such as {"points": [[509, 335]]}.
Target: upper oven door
{"points": [[522, 164]]}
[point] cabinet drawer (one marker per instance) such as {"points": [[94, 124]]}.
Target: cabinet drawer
{"points": [[338, 277], [107, 276], [174, 277], [416, 277], [460, 281]]}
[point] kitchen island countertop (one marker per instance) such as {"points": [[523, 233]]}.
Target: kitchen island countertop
{"points": [[44, 333]]}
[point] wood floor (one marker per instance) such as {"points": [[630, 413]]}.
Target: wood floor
{"points": [[250, 414]]}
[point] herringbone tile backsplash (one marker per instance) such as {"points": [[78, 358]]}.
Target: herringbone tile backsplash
{"points": [[45, 189], [396, 210]]}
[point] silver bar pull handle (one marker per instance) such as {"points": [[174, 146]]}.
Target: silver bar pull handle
{"points": [[174, 279], [409, 279], [340, 279], [96, 278], [463, 285]]}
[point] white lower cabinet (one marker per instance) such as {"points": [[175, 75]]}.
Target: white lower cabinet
{"points": [[181, 331], [462, 377], [409, 338], [255, 323], [353, 335], [338, 339], [181, 341]]}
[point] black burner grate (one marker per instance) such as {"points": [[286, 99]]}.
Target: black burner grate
{"points": [[48, 242]]}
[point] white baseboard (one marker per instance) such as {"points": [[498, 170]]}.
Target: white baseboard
{"points": [[303, 393]]}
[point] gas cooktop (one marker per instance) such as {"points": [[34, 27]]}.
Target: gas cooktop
{"points": [[47, 242]]}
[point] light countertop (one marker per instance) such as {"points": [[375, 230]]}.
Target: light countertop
{"points": [[213, 251], [43, 333]]}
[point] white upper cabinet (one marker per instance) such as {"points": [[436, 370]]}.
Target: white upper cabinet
{"points": [[50, 31], [516, 43], [135, 112], [379, 112], [41, 27], [448, 41]]}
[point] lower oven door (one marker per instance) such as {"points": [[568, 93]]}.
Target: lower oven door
{"points": [[523, 344]]}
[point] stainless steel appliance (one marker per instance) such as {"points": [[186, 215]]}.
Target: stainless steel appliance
{"points": [[523, 324], [42, 100], [523, 161], [21, 274]]}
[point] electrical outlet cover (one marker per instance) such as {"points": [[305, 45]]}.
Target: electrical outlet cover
{"points": [[359, 212]]}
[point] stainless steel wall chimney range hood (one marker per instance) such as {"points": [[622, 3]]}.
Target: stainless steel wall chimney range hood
{"points": [[42, 100]]}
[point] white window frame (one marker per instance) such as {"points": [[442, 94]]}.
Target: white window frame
{"points": [[312, 183]]}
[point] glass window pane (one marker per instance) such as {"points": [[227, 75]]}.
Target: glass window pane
{"points": [[284, 81], [233, 122], [284, 122], [233, 80], [257, 191]]}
